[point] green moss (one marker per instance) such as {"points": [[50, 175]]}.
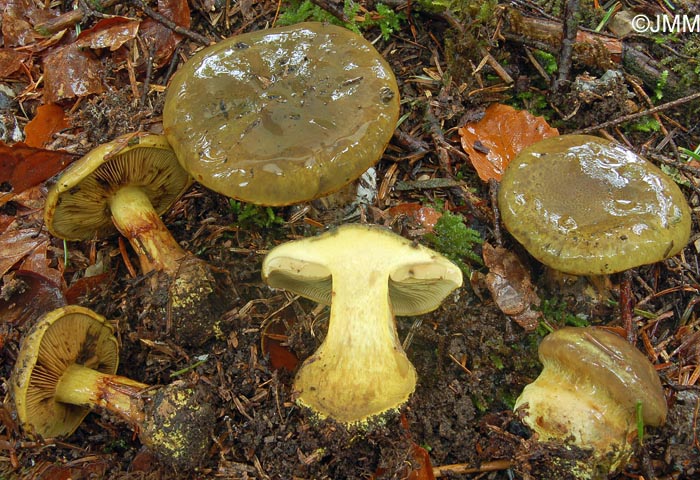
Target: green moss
{"points": [[248, 215], [455, 240]]}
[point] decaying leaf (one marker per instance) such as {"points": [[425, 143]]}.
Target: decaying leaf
{"points": [[11, 61], [162, 39], [111, 33], [49, 119], [22, 166], [511, 288], [17, 244], [71, 72], [499, 136], [26, 295], [422, 216]]}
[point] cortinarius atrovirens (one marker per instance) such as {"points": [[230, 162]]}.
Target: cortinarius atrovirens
{"points": [[367, 274]]}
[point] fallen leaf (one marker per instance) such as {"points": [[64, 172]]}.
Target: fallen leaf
{"points": [[425, 217], [22, 166], [17, 244], [163, 40], [26, 296], [274, 344], [49, 119], [498, 137], [111, 32], [11, 61], [71, 72], [511, 288]]}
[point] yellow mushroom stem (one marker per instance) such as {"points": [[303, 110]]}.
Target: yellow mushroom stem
{"points": [[360, 370], [85, 387], [135, 218]]}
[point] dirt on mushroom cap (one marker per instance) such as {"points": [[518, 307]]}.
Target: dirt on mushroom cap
{"points": [[283, 115]]}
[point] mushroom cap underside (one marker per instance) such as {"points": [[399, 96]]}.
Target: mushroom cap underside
{"points": [[607, 360], [63, 337], [77, 205], [586, 206], [283, 115], [419, 278]]}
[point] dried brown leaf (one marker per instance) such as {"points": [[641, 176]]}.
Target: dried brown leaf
{"points": [[111, 33], [511, 288], [71, 72], [22, 166]]}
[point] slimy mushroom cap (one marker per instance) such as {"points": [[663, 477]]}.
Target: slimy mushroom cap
{"points": [[587, 206], [283, 115]]}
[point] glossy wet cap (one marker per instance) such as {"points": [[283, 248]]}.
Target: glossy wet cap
{"points": [[60, 338], [586, 206], [419, 278], [284, 115], [77, 205], [607, 360]]}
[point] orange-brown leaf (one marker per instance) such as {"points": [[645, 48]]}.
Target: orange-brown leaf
{"points": [[49, 119], [163, 39], [22, 166], [499, 136], [11, 61], [110, 33]]}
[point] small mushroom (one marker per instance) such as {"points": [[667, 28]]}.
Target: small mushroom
{"points": [[283, 115], [367, 275], [66, 368], [587, 206], [588, 392], [125, 185]]}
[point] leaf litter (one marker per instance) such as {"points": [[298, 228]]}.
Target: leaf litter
{"points": [[471, 358]]}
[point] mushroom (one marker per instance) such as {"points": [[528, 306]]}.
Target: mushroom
{"points": [[125, 185], [282, 115], [588, 392], [587, 206], [66, 367], [366, 274]]}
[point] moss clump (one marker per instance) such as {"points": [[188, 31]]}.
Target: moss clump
{"points": [[456, 241]]}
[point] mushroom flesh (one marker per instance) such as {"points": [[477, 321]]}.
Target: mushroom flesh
{"points": [[588, 392], [367, 275]]}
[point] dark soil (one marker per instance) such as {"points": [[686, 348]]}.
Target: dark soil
{"points": [[472, 360]]}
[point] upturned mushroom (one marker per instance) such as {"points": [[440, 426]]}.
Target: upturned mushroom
{"points": [[367, 274], [67, 367], [586, 206], [125, 185], [283, 115], [588, 393]]}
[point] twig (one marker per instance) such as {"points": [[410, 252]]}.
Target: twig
{"points": [[634, 116], [567, 43], [194, 36], [461, 468]]}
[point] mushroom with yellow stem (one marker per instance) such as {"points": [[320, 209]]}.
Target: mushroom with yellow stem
{"points": [[282, 115], [67, 367], [592, 389], [586, 206], [125, 185], [367, 274]]}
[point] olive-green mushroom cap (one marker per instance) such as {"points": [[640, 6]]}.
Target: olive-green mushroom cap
{"points": [[609, 361], [284, 115], [587, 206], [59, 339], [77, 205]]}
